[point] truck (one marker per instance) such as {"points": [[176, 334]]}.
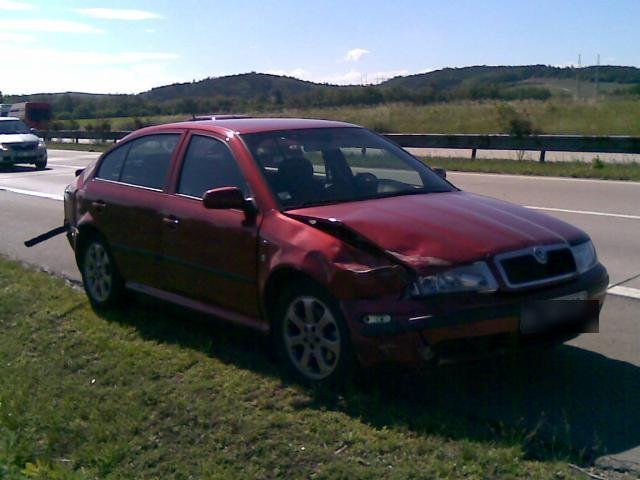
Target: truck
{"points": [[35, 114]]}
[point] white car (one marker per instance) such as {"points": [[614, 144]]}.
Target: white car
{"points": [[19, 144]]}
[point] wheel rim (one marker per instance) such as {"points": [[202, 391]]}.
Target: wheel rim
{"points": [[311, 337], [98, 274]]}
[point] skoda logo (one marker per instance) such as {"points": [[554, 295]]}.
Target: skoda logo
{"points": [[540, 254]]}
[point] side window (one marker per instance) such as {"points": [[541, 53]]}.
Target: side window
{"points": [[209, 164], [112, 164], [148, 160]]}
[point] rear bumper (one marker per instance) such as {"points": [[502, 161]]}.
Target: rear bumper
{"points": [[449, 328]]}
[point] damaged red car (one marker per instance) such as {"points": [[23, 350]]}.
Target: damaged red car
{"points": [[332, 239]]}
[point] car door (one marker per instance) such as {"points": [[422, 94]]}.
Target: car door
{"points": [[210, 255], [125, 199]]}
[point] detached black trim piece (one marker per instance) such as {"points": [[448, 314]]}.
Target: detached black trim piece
{"points": [[46, 236]]}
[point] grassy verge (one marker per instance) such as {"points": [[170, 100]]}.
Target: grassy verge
{"points": [[556, 116], [82, 147], [142, 393], [596, 169]]}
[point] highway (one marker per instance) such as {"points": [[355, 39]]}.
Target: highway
{"points": [[602, 370]]}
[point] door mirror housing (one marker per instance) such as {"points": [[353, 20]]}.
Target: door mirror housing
{"points": [[224, 198], [440, 171]]}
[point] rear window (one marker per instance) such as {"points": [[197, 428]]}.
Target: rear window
{"points": [[111, 165], [148, 160]]}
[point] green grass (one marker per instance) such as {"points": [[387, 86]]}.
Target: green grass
{"points": [[606, 117], [556, 116], [596, 169], [143, 393]]}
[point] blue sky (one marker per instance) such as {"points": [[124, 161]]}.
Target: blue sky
{"points": [[131, 46]]}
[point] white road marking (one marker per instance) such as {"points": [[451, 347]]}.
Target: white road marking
{"points": [[543, 177], [32, 193], [585, 212], [70, 166], [625, 292]]}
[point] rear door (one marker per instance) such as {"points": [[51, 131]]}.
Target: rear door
{"points": [[125, 199], [210, 255]]}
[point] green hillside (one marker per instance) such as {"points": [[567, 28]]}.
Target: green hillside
{"points": [[258, 92]]}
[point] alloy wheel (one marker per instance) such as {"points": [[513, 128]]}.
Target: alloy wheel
{"points": [[311, 337], [98, 272]]}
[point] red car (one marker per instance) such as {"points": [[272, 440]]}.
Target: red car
{"points": [[329, 237]]}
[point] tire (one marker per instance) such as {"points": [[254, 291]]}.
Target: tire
{"points": [[100, 277], [312, 337], [41, 164]]}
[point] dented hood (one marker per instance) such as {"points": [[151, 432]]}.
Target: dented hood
{"points": [[441, 229]]}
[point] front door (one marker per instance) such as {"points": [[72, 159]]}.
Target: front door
{"points": [[210, 255]]}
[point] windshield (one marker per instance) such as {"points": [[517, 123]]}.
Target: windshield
{"points": [[333, 165], [13, 126]]}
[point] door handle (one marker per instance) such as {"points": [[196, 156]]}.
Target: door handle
{"points": [[171, 221], [99, 205]]}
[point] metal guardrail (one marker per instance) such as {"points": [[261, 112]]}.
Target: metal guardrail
{"points": [[77, 135], [539, 143]]}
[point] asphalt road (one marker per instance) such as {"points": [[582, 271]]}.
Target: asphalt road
{"points": [[586, 392]]}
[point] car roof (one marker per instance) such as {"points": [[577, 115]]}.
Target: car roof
{"points": [[2, 119], [250, 125]]}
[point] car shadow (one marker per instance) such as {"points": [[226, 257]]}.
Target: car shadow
{"points": [[21, 169], [565, 403]]}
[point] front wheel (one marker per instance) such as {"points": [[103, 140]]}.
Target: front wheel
{"points": [[41, 164], [100, 277], [312, 337]]}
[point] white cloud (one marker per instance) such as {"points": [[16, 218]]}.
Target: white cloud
{"points": [[65, 58], [16, 38], [14, 6], [352, 77], [94, 72], [118, 14], [296, 73], [355, 54], [379, 77], [49, 26]]}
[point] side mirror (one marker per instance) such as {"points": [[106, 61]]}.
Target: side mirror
{"points": [[224, 198], [33, 130], [440, 171]]}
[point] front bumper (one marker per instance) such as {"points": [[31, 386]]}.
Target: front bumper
{"points": [[11, 157], [454, 326]]}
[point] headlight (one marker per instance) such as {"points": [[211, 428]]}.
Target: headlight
{"points": [[41, 143], [585, 256], [3, 148], [469, 278]]}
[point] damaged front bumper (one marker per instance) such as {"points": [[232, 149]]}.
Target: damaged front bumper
{"points": [[459, 326]]}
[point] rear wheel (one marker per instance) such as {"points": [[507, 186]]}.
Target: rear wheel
{"points": [[312, 336], [102, 281]]}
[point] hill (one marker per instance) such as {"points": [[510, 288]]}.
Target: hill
{"points": [[449, 78], [246, 86], [260, 92]]}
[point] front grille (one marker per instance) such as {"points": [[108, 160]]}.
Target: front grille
{"points": [[522, 268], [22, 147]]}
